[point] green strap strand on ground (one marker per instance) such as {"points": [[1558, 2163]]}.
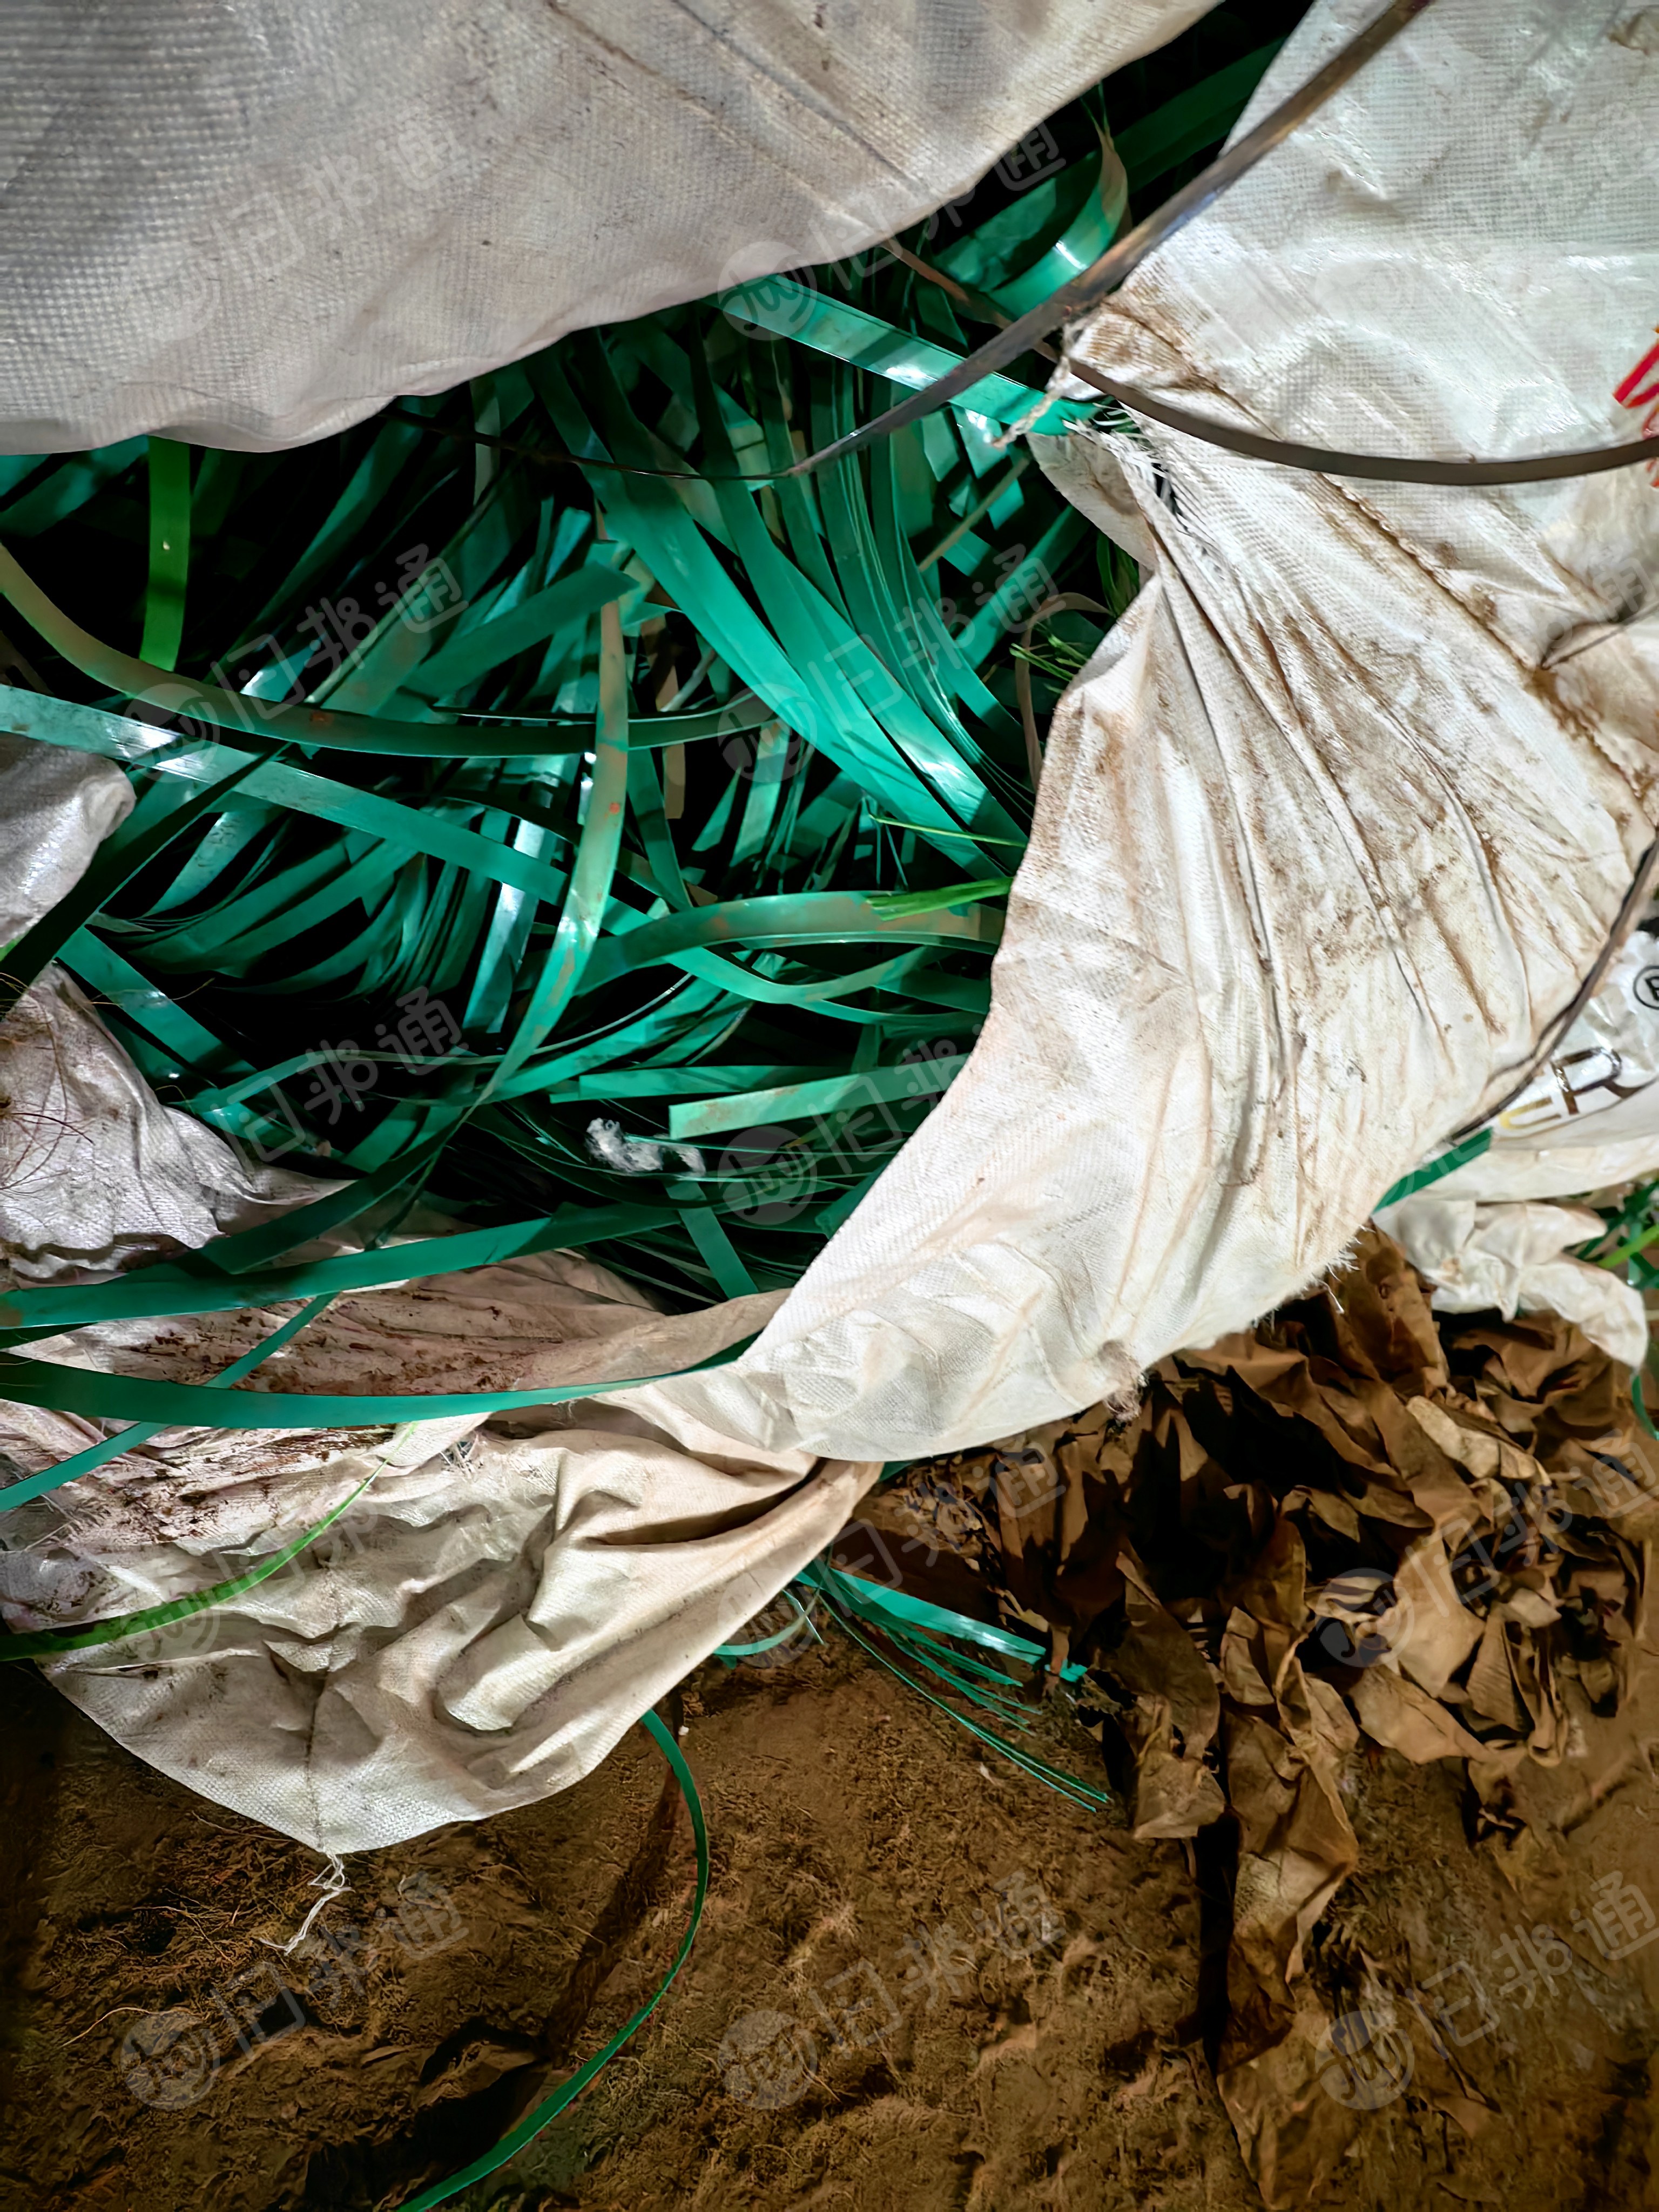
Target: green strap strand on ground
{"points": [[886, 1607], [1066, 1785], [566, 2094], [926, 1633]]}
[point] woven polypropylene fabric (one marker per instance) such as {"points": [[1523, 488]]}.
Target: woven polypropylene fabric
{"points": [[1338, 819], [253, 225]]}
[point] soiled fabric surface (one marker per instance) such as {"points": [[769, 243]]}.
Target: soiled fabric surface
{"points": [[500, 1604], [1339, 816], [478, 1631], [253, 224], [1341, 1523], [497, 1607]]}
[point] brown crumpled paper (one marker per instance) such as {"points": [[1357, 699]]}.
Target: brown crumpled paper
{"points": [[1345, 1521]]}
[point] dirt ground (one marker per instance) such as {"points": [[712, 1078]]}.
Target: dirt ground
{"points": [[922, 1980]]}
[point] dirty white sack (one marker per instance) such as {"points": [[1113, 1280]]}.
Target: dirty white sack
{"points": [[1515, 1258], [1339, 816], [1329, 832], [502, 1601], [496, 1609], [253, 225]]}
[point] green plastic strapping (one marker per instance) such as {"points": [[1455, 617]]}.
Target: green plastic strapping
{"points": [[899, 1616], [372, 779], [96, 1455], [898, 1608], [49, 1643], [195, 1405], [1067, 1785], [802, 1618], [169, 551], [1421, 1178], [402, 730], [568, 2092]]}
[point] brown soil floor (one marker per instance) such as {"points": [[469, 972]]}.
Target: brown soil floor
{"points": [[922, 1981]]}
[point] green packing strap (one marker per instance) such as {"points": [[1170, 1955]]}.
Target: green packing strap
{"points": [[107, 973], [769, 1643], [197, 1405], [807, 687], [795, 1102], [790, 309], [245, 1249], [789, 919], [98, 1454], [121, 737], [1637, 1208], [168, 1288], [996, 259], [585, 592], [1421, 1178], [882, 1606], [897, 906], [48, 1643], [114, 737], [1022, 587], [571, 950], [568, 2092], [169, 552], [722, 1258], [1065, 1785]]}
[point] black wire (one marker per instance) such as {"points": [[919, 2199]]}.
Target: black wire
{"points": [[1389, 468], [1322, 460]]}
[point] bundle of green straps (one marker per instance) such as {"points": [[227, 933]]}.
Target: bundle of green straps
{"points": [[537, 820]]}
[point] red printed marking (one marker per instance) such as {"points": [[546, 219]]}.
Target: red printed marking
{"points": [[1632, 393], [1626, 394]]}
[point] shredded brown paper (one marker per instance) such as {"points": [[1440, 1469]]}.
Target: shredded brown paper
{"points": [[1347, 1522]]}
